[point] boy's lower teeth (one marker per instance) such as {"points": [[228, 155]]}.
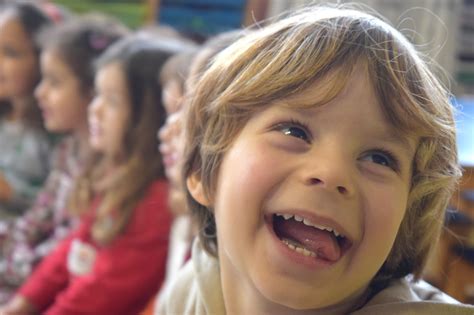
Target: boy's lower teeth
{"points": [[297, 248]]}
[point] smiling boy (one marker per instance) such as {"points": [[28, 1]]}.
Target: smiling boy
{"points": [[320, 158]]}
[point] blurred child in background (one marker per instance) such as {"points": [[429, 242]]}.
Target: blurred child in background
{"points": [[179, 76], [115, 261], [173, 78], [64, 93], [25, 147]]}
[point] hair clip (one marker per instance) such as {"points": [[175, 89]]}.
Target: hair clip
{"points": [[53, 12]]}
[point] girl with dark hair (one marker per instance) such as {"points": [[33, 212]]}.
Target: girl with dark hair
{"points": [[24, 145]]}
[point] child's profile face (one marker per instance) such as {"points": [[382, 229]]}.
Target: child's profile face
{"points": [[109, 112], [171, 147], [60, 96], [172, 96], [308, 202], [18, 61]]}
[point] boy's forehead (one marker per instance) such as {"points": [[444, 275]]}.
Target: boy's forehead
{"points": [[332, 85]]}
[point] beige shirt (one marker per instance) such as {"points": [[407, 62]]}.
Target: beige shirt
{"points": [[197, 290]]}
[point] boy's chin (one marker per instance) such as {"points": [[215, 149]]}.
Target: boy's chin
{"points": [[283, 297]]}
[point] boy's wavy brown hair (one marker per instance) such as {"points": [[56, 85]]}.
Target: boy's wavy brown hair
{"points": [[325, 44]]}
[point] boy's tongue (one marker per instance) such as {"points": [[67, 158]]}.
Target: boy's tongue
{"points": [[323, 243]]}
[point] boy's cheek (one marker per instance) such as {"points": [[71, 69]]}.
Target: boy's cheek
{"points": [[386, 219], [249, 169]]}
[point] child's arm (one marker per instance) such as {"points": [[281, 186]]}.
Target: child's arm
{"points": [[50, 278], [19, 305]]}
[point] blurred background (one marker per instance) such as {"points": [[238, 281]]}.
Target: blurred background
{"points": [[442, 29]]}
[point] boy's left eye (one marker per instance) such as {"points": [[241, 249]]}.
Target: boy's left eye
{"points": [[382, 158]]}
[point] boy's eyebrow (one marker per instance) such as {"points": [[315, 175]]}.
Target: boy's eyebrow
{"points": [[403, 141]]}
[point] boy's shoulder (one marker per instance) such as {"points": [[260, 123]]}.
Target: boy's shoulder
{"points": [[405, 296], [196, 289]]}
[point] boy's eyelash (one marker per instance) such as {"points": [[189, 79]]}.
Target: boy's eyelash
{"points": [[299, 123]]}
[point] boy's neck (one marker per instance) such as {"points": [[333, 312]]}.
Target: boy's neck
{"points": [[241, 297]]}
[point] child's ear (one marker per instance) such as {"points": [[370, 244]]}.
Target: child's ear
{"points": [[196, 190]]}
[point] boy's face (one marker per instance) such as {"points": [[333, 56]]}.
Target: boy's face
{"points": [[337, 167]]}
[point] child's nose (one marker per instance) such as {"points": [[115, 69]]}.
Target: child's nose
{"points": [[342, 189], [164, 132], [331, 173]]}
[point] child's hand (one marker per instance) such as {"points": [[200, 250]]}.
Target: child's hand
{"points": [[18, 306], [6, 191]]}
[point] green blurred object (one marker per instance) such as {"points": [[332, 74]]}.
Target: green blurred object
{"points": [[130, 12]]}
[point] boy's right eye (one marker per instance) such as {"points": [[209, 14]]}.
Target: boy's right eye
{"points": [[294, 129]]}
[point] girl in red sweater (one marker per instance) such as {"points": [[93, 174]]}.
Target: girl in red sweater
{"points": [[115, 261]]}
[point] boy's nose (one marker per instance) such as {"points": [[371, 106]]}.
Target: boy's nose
{"points": [[331, 172], [342, 189]]}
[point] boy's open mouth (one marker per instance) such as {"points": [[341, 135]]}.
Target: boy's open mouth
{"points": [[310, 239]]}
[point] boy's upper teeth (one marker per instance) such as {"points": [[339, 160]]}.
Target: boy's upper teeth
{"points": [[309, 223]]}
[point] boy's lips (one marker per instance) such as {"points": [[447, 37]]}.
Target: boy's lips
{"points": [[318, 240]]}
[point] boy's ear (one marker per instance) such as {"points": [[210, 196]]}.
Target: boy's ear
{"points": [[196, 190]]}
